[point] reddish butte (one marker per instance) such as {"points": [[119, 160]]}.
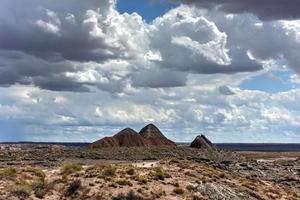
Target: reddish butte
{"points": [[150, 135]]}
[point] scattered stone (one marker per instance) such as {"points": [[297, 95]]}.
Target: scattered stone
{"points": [[215, 191]]}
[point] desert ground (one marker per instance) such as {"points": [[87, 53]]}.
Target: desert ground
{"points": [[58, 172]]}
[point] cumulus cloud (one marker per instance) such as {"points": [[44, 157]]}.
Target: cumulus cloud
{"points": [[189, 41], [244, 116], [76, 46], [50, 45], [265, 10], [182, 70], [46, 30]]}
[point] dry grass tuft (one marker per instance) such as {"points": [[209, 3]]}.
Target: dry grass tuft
{"points": [[8, 172], [36, 171], [130, 196], [22, 191], [70, 168], [178, 190], [109, 171], [160, 174]]}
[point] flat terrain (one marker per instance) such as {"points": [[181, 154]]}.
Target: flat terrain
{"points": [[57, 172], [269, 155]]}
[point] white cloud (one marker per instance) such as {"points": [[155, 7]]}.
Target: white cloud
{"points": [[295, 78], [181, 71], [47, 27]]}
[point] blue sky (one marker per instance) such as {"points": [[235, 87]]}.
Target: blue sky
{"points": [[277, 81], [149, 10], [233, 76]]}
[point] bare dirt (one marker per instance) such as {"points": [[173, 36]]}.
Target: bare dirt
{"points": [[56, 172]]}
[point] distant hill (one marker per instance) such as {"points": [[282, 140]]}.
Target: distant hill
{"points": [[201, 142], [155, 136], [150, 135]]}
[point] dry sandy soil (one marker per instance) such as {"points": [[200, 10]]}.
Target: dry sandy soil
{"points": [[164, 178]]}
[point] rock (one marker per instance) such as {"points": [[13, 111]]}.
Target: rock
{"points": [[202, 142], [192, 186], [215, 191]]}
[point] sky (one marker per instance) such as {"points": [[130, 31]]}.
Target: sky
{"points": [[77, 71]]}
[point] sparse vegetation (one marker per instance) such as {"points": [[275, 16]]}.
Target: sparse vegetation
{"points": [[141, 179], [8, 172], [130, 196], [70, 168], [171, 178], [124, 182], [130, 171], [21, 190], [178, 190], [160, 174], [40, 188], [73, 188], [36, 171], [109, 171]]}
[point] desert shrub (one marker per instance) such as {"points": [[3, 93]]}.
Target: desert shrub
{"points": [[191, 187], [113, 185], [130, 171], [189, 173], [160, 174], [175, 184], [140, 190], [21, 190], [70, 168], [94, 171], [178, 190], [40, 193], [124, 182], [8, 172], [140, 179], [109, 171], [184, 165], [130, 196], [161, 192], [40, 188], [36, 171], [73, 188], [174, 161]]}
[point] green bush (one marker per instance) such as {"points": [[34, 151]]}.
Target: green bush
{"points": [[109, 171], [73, 188], [36, 171], [8, 172], [70, 168], [40, 193], [21, 190], [124, 182], [141, 179], [160, 174], [40, 189]]}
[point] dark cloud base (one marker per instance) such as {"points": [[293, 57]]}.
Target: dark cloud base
{"points": [[264, 9]]}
